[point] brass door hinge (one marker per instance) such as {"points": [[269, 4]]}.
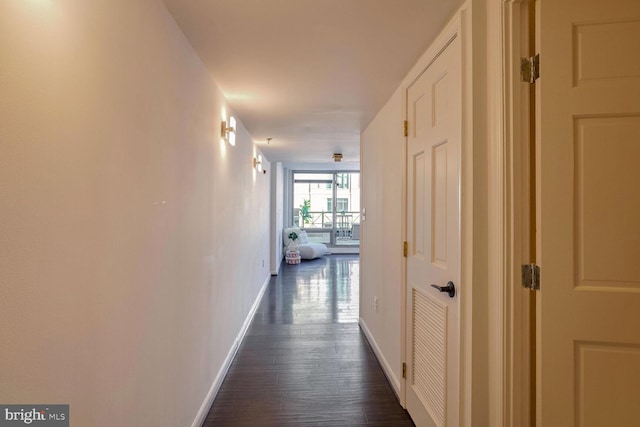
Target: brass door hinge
{"points": [[531, 277], [530, 69], [404, 370], [405, 249], [405, 128]]}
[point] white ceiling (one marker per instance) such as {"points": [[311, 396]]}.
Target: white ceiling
{"points": [[311, 74]]}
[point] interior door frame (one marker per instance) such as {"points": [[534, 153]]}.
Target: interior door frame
{"points": [[458, 26], [506, 28], [509, 175]]}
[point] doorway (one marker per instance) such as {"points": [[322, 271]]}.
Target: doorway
{"points": [[327, 206]]}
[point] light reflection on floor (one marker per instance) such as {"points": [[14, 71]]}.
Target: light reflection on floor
{"points": [[324, 290]]}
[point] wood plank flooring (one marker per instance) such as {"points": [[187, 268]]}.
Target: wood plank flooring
{"points": [[304, 360]]}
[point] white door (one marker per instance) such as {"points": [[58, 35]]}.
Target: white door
{"points": [[588, 191], [434, 114]]}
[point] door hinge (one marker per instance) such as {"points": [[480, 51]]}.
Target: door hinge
{"points": [[404, 370], [405, 249], [531, 277], [530, 69], [405, 128]]}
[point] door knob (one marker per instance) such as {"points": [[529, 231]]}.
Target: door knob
{"points": [[450, 289]]}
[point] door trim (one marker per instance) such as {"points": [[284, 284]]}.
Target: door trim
{"points": [[509, 217]]}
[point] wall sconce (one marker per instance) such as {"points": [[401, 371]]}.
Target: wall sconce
{"points": [[257, 163], [337, 157], [229, 132]]}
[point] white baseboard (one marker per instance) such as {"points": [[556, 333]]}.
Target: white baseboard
{"points": [[217, 382], [393, 379]]}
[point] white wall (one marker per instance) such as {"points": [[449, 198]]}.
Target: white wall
{"points": [[381, 235], [277, 216], [133, 241]]}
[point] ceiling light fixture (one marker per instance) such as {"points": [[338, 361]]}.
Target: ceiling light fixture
{"points": [[269, 141], [337, 157], [229, 132]]}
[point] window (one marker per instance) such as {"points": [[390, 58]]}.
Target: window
{"points": [[342, 181], [342, 206], [315, 196]]}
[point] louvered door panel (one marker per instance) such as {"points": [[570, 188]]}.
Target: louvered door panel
{"points": [[430, 355]]}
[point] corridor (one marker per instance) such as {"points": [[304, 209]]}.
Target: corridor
{"points": [[304, 360]]}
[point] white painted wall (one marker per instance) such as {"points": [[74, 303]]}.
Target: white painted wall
{"points": [[381, 235], [277, 216], [133, 241]]}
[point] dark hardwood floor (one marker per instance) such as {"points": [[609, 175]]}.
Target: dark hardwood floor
{"points": [[304, 360]]}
